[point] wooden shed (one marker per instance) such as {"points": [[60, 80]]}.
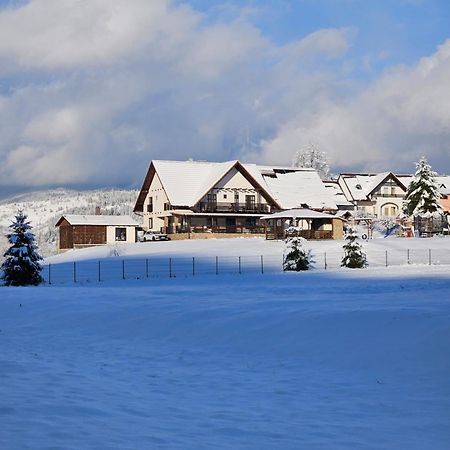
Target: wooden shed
{"points": [[77, 231]]}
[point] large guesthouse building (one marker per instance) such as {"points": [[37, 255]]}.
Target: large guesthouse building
{"points": [[182, 198]]}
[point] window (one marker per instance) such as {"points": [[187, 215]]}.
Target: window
{"points": [[250, 201], [150, 205], [121, 234], [150, 223], [224, 196], [212, 198], [166, 206]]}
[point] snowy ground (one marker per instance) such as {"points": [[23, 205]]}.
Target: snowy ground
{"points": [[240, 255], [325, 360], [243, 247]]}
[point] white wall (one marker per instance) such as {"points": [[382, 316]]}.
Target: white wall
{"points": [[234, 183], [156, 191], [111, 235]]}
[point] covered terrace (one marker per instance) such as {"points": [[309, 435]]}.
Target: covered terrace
{"points": [[303, 222]]}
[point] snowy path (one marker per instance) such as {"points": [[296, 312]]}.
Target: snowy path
{"points": [[350, 360]]}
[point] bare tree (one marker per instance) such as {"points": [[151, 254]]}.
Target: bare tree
{"points": [[312, 157]]}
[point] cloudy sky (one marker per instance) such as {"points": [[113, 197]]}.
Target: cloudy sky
{"points": [[92, 90]]}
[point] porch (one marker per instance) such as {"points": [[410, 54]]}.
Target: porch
{"points": [[188, 222]]}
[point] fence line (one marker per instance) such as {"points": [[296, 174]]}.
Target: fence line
{"points": [[112, 269]]}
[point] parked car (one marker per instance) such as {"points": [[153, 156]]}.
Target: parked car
{"points": [[154, 236]]}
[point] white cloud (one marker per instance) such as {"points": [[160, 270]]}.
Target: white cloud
{"points": [[98, 88], [61, 34], [399, 117], [331, 42]]}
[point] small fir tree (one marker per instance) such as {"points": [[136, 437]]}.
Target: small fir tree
{"points": [[296, 257], [354, 257], [312, 157], [21, 266], [422, 197]]}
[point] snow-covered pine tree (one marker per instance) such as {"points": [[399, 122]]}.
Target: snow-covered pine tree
{"points": [[296, 257], [354, 257], [21, 266], [422, 196], [312, 157]]}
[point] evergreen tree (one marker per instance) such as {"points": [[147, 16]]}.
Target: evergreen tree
{"points": [[354, 257], [296, 257], [21, 266], [312, 157], [422, 197]]}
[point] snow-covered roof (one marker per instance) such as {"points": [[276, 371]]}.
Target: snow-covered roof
{"points": [[302, 187], [186, 182], [443, 183], [362, 185], [336, 191], [302, 213], [99, 220]]}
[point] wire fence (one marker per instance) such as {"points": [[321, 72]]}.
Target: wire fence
{"points": [[113, 269]]}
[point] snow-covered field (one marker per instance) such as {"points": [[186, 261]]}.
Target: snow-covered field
{"points": [[322, 360], [240, 255]]}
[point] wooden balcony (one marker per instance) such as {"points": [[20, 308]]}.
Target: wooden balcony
{"points": [[226, 207], [223, 229]]}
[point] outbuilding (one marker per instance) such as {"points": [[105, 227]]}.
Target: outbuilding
{"points": [[77, 231]]}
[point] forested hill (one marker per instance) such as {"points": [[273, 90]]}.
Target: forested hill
{"points": [[44, 208]]}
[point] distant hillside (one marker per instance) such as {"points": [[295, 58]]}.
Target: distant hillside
{"points": [[44, 208]]}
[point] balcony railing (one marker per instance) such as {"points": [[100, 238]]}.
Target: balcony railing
{"points": [[227, 207], [232, 229]]}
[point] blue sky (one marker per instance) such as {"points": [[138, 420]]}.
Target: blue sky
{"points": [[405, 29], [90, 92]]}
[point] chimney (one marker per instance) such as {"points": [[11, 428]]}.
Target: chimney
{"points": [[98, 211]]}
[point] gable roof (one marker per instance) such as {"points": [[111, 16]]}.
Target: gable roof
{"points": [[187, 182], [362, 185], [125, 221]]}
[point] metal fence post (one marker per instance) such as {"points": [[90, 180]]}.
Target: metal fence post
{"points": [[146, 267], [170, 267], [325, 260], [239, 264], [386, 258], [74, 272], [408, 255], [193, 266], [99, 272], [217, 265], [429, 256], [123, 269], [49, 274], [262, 264]]}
